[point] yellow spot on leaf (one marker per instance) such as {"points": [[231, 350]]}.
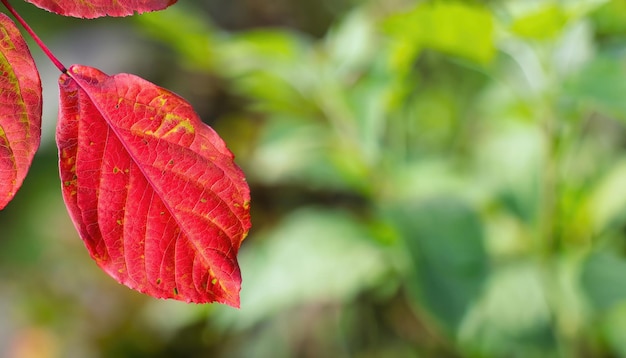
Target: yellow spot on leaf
{"points": [[183, 125]]}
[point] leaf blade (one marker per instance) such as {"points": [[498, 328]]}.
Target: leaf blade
{"points": [[99, 8], [20, 113], [136, 162]]}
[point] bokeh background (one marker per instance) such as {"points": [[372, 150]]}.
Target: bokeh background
{"points": [[429, 179]]}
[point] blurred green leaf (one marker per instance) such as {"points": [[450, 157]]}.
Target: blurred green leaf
{"points": [[288, 147], [607, 201], [352, 43], [452, 27], [312, 256], [186, 30], [272, 94], [614, 327], [610, 18], [601, 84], [512, 318], [444, 237], [544, 23], [603, 279], [293, 150], [262, 49]]}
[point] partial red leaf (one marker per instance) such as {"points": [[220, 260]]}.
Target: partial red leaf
{"points": [[89, 9], [20, 110], [153, 191]]}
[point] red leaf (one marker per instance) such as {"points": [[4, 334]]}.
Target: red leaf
{"points": [[20, 110], [90, 9], [153, 191]]}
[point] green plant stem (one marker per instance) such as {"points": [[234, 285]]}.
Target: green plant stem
{"points": [[549, 191], [550, 230], [32, 34]]}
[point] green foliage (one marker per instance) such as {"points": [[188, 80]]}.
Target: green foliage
{"points": [[544, 23], [450, 27], [445, 240]]}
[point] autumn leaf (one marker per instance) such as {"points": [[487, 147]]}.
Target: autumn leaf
{"points": [[20, 110], [90, 9], [153, 191]]}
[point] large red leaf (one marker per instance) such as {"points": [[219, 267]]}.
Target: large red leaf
{"points": [[153, 191], [90, 9], [20, 110]]}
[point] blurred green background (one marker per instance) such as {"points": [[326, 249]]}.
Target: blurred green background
{"points": [[429, 179]]}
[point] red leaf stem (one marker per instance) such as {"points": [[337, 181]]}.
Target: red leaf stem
{"points": [[32, 34]]}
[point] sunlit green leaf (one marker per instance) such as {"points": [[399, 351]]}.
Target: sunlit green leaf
{"points": [[452, 27], [262, 49], [614, 327], [607, 201], [611, 17], [543, 23]]}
